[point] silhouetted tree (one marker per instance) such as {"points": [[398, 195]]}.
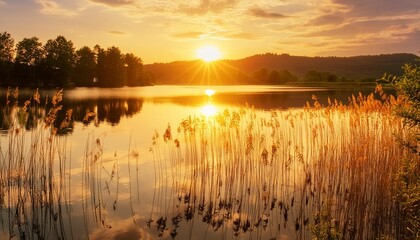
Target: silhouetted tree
{"points": [[274, 77], [281, 77], [59, 60], [110, 67], [6, 58], [314, 76], [84, 70], [7, 44], [29, 55], [134, 70], [261, 76], [29, 51], [286, 76], [100, 65]]}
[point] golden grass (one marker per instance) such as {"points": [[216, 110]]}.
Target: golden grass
{"points": [[246, 172]]}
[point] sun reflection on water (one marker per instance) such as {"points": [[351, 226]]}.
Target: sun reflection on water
{"points": [[209, 110], [210, 92]]}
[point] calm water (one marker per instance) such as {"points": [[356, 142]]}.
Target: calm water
{"points": [[113, 182]]}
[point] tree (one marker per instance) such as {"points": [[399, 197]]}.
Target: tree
{"points": [[29, 55], [59, 60], [29, 51], [274, 77], [408, 177], [314, 76], [7, 44], [84, 70], [408, 89], [286, 76], [261, 75], [6, 58], [100, 55], [134, 68], [281, 77], [111, 67]]}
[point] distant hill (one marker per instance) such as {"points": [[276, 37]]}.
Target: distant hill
{"points": [[274, 68]]}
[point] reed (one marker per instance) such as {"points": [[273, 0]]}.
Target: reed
{"points": [[30, 191], [286, 172], [35, 171]]}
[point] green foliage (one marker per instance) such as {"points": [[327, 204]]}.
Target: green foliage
{"points": [[325, 227], [408, 87], [408, 177], [408, 197]]}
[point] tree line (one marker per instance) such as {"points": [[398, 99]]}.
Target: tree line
{"points": [[57, 63]]}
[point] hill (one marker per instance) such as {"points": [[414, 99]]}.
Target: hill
{"points": [[277, 69]]}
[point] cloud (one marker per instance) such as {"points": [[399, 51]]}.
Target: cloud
{"points": [[370, 44], [339, 12], [207, 6], [328, 19], [117, 33], [380, 7], [258, 12], [190, 35], [216, 35], [243, 36], [53, 8], [114, 3], [354, 27]]}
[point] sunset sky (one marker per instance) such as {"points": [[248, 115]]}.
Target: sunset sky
{"points": [[165, 31]]}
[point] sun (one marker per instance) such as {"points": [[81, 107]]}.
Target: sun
{"points": [[208, 53]]}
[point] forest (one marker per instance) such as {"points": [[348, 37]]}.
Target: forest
{"points": [[57, 63]]}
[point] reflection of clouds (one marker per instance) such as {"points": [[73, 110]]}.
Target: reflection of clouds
{"points": [[122, 229]]}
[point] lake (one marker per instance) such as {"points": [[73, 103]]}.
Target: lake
{"points": [[116, 170]]}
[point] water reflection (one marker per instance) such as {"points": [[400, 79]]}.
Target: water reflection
{"points": [[220, 175], [104, 110], [92, 111], [102, 106], [209, 110]]}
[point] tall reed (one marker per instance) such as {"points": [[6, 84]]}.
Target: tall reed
{"points": [[31, 191], [267, 174]]}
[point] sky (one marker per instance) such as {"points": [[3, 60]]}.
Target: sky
{"points": [[173, 30]]}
